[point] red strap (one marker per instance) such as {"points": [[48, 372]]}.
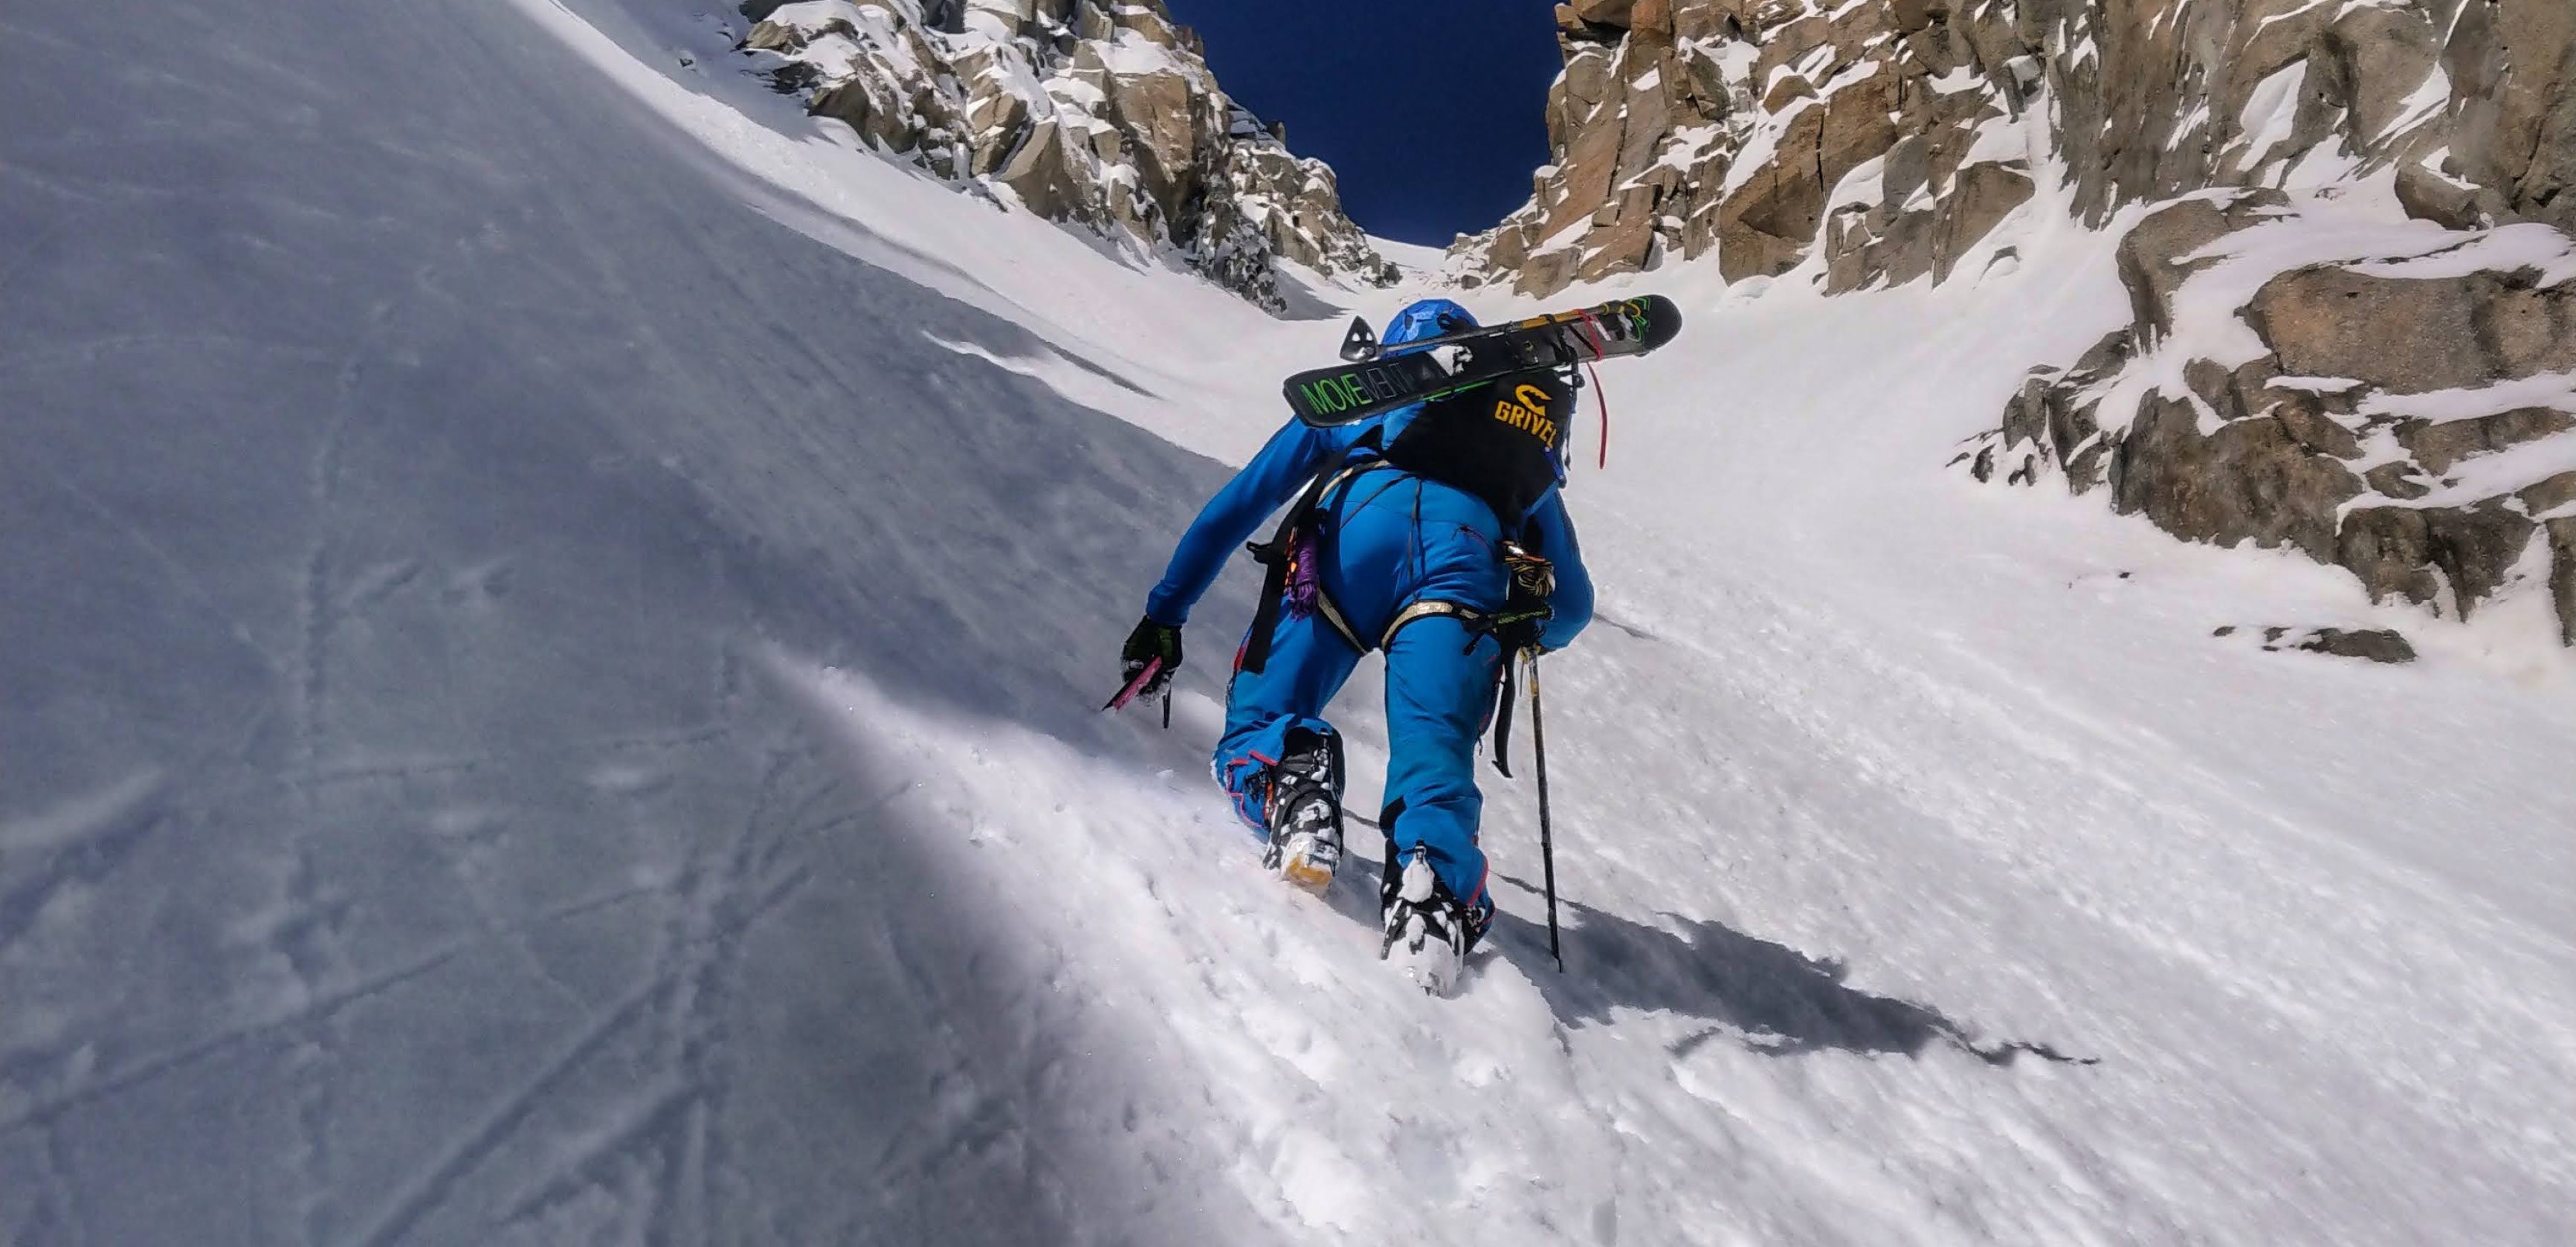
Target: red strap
{"points": [[1599, 395], [1602, 397], [1593, 323]]}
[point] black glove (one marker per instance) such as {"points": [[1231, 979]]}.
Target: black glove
{"points": [[1148, 642]]}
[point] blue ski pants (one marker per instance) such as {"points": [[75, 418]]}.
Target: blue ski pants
{"points": [[1388, 540]]}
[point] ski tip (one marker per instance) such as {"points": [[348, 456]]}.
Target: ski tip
{"points": [[1663, 320]]}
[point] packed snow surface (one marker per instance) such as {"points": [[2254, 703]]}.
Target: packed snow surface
{"points": [[551, 621]]}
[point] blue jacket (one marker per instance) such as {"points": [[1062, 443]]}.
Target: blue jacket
{"points": [[1292, 458]]}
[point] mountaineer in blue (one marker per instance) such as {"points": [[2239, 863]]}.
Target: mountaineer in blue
{"points": [[1435, 532]]}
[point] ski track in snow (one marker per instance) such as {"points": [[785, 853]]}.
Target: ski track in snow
{"points": [[549, 701]]}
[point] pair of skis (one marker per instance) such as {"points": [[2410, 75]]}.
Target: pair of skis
{"points": [[1379, 378]]}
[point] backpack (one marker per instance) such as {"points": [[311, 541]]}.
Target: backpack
{"points": [[1501, 442]]}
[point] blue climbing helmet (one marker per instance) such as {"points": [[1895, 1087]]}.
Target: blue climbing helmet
{"points": [[1423, 318], [1426, 318]]}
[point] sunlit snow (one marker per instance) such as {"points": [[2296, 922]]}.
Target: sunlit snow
{"points": [[554, 614]]}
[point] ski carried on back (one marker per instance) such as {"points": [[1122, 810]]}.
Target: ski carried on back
{"points": [[1374, 381]]}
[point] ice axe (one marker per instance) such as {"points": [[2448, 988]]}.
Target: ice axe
{"points": [[1137, 684]]}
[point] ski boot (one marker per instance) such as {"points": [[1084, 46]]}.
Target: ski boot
{"points": [[1428, 929], [1304, 810]]}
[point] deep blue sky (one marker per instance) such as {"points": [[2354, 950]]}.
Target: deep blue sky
{"points": [[1433, 112]]}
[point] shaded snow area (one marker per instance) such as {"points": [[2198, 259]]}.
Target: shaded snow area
{"points": [[550, 625]]}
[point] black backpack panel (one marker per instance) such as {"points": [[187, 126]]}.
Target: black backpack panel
{"points": [[1499, 441]]}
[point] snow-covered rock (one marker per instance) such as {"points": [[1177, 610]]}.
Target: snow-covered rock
{"points": [[1880, 141], [1887, 132], [2389, 397], [1098, 113], [1753, 129]]}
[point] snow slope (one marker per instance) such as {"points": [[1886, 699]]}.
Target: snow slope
{"points": [[550, 639]]}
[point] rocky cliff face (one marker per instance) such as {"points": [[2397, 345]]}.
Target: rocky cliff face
{"points": [[1883, 131], [2344, 238], [1886, 130], [1098, 112], [2397, 401]]}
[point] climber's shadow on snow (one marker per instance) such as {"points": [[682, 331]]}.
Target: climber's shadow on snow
{"points": [[1768, 997]]}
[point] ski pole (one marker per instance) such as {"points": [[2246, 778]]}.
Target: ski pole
{"points": [[1546, 837]]}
